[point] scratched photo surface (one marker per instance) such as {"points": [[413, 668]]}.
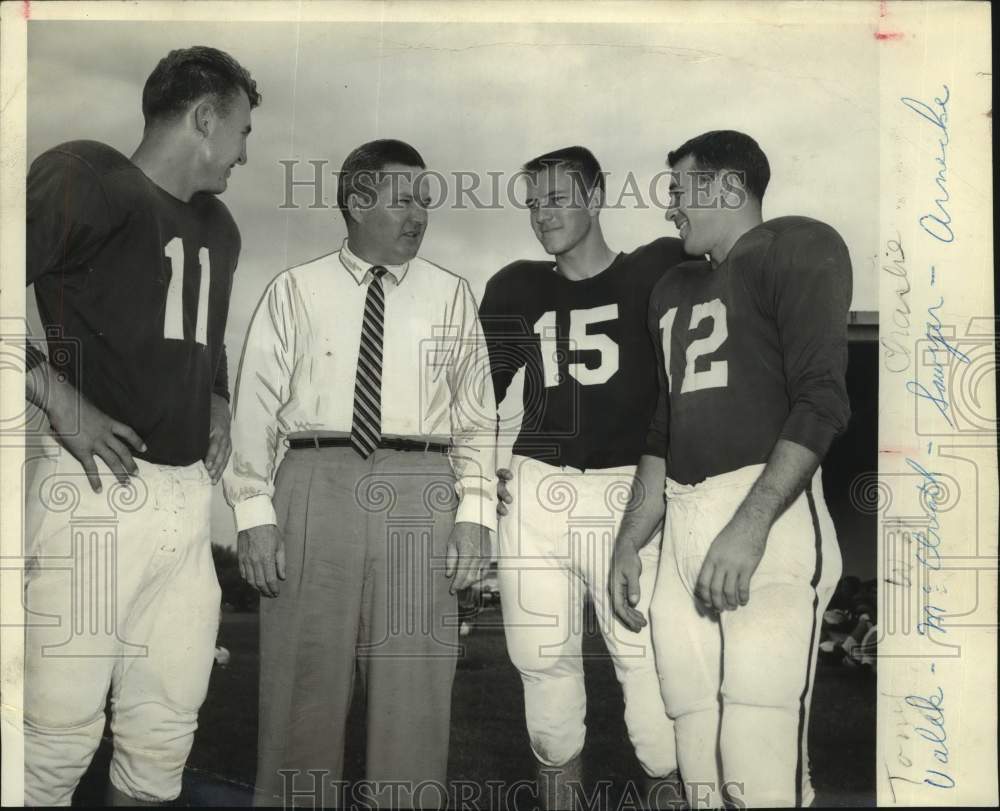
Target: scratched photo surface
{"points": [[856, 139]]}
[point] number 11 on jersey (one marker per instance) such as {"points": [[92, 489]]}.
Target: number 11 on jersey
{"points": [[173, 319]]}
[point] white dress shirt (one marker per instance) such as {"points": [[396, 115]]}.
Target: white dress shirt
{"points": [[299, 365]]}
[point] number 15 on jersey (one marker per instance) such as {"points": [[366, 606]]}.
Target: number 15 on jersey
{"points": [[581, 341]]}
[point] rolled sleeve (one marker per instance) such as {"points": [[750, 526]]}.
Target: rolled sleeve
{"points": [[808, 427]]}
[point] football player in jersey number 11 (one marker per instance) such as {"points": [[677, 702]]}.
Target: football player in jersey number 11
{"points": [[132, 262], [752, 346]]}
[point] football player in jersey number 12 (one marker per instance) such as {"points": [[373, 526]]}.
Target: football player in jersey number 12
{"points": [[132, 261], [752, 346]]}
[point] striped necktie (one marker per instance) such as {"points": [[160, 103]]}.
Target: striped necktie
{"points": [[366, 426]]}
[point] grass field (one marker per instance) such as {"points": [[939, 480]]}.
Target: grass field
{"points": [[489, 741]]}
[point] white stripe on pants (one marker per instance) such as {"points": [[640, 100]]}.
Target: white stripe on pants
{"points": [[120, 592], [759, 658], [555, 543]]}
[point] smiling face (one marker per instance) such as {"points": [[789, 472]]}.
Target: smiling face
{"points": [[225, 143], [696, 206], [560, 215], [389, 221]]}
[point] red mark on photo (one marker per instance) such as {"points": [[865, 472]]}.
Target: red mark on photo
{"points": [[883, 12], [26, 9]]}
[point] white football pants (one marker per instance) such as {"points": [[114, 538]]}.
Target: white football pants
{"points": [[739, 683], [556, 544], [120, 593]]}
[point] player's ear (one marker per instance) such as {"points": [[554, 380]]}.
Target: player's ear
{"points": [[731, 188], [595, 200], [205, 116]]}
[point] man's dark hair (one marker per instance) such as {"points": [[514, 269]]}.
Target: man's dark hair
{"points": [[728, 149], [578, 161], [359, 174], [183, 76]]}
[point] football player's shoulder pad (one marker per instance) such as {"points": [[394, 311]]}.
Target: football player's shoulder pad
{"points": [[100, 158], [516, 272]]}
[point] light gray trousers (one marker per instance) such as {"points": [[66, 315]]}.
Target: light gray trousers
{"points": [[365, 545]]}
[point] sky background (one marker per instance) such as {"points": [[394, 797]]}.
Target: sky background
{"points": [[488, 97]]}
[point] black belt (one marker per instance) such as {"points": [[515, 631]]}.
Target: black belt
{"points": [[387, 444]]}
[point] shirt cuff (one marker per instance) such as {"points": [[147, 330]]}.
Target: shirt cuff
{"points": [[807, 429], [33, 356], [255, 511], [477, 503], [656, 445]]}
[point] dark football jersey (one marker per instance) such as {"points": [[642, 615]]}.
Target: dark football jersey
{"points": [[133, 289], [752, 351], [590, 366]]}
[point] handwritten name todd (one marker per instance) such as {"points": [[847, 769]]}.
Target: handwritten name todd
{"points": [[921, 732]]}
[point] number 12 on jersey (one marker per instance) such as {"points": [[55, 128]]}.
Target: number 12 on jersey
{"points": [[173, 319], [717, 373]]}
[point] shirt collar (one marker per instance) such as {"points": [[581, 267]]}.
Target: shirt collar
{"points": [[359, 268]]}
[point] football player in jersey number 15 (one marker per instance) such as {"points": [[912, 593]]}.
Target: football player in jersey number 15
{"points": [[752, 347], [576, 326], [132, 261]]}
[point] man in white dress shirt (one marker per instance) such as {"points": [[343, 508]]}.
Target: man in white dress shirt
{"points": [[370, 364]]}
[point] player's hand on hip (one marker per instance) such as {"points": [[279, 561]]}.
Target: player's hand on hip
{"points": [[503, 494], [86, 431], [261, 554], [732, 559], [468, 554], [623, 586], [219, 444]]}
